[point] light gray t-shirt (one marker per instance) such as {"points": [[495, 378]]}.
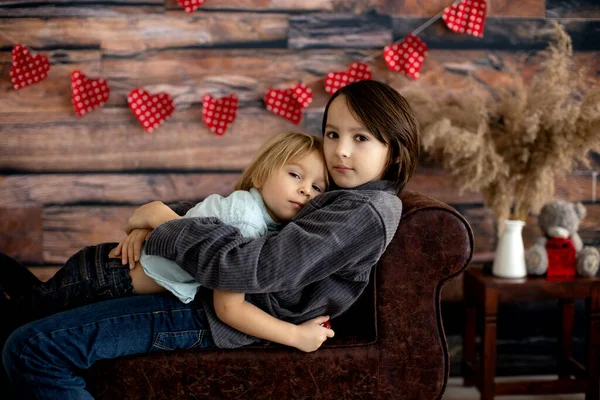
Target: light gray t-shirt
{"points": [[242, 209]]}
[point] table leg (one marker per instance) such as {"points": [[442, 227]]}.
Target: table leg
{"points": [[488, 359], [593, 339], [468, 358], [565, 339]]}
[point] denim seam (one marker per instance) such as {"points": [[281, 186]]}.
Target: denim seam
{"points": [[27, 343], [98, 265], [199, 340]]}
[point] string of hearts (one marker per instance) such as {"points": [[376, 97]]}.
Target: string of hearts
{"points": [[151, 110]]}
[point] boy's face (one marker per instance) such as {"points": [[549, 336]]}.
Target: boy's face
{"points": [[287, 190], [353, 154]]}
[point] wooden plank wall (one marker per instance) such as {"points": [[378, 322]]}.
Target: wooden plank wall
{"points": [[67, 182]]}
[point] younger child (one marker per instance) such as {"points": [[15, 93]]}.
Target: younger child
{"points": [[287, 173]]}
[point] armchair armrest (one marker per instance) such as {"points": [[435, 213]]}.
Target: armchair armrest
{"points": [[433, 244]]}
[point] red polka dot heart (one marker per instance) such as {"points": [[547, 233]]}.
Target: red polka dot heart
{"points": [[190, 5], [88, 94], [407, 56], [219, 114], [27, 69], [466, 17], [150, 110], [358, 71], [289, 103]]}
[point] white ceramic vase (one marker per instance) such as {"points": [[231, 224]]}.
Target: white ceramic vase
{"points": [[509, 261]]}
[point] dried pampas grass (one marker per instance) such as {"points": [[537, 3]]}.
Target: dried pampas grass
{"points": [[514, 150]]}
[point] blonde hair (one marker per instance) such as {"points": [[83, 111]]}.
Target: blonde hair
{"points": [[277, 152]]}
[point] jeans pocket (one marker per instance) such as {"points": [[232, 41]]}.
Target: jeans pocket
{"points": [[179, 340]]}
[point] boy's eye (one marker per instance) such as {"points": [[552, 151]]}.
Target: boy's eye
{"points": [[318, 189], [294, 175], [361, 138], [331, 135]]}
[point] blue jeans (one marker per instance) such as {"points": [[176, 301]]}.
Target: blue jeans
{"points": [[41, 358]]}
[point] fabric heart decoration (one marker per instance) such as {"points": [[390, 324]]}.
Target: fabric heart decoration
{"points": [[358, 71], [219, 114], [88, 94], [27, 69], [289, 103], [407, 56], [468, 16], [190, 5], [150, 110]]}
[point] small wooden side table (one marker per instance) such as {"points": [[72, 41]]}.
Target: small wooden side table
{"points": [[483, 292]]}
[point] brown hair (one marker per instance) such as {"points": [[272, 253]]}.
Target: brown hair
{"points": [[387, 115], [275, 153]]}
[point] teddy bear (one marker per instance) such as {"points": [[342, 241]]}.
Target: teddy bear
{"points": [[560, 219]]}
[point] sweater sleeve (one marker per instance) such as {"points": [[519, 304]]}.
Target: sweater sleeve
{"points": [[319, 242]]}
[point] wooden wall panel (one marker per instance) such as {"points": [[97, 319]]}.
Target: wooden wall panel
{"points": [[89, 173], [80, 8], [139, 33], [504, 8], [123, 188], [117, 142]]}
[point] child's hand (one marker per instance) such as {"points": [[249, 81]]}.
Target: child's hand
{"points": [[150, 216], [131, 247], [311, 335]]}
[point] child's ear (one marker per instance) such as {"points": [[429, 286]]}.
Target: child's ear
{"points": [[397, 160]]}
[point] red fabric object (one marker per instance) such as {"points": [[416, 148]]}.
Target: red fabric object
{"points": [[407, 56], [358, 71], [289, 103], [561, 257], [27, 69], [88, 94], [466, 17], [219, 114], [150, 110], [190, 5]]}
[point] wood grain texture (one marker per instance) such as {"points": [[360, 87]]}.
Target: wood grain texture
{"points": [[80, 8], [139, 33], [504, 8], [65, 189], [340, 31], [21, 232], [52, 94], [188, 74], [502, 33], [572, 9], [116, 142]]}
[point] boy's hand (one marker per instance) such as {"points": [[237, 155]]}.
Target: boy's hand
{"points": [[130, 248], [150, 216], [311, 335]]}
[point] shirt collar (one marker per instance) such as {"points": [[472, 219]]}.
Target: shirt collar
{"points": [[271, 225], [386, 186]]}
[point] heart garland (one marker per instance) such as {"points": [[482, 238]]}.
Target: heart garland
{"points": [[150, 110], [88, 94], [27, 69], [289, 103], [468, 16], [407, 56], [358, 71], [190, 5], [219, 114]]}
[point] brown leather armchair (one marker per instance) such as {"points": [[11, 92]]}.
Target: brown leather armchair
{"points": [[389, 345]]}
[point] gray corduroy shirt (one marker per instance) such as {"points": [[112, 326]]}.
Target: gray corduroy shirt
{"points": [[318, 264]]}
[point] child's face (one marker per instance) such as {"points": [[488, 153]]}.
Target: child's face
{"points": [[353, 155], [287, 190]]}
